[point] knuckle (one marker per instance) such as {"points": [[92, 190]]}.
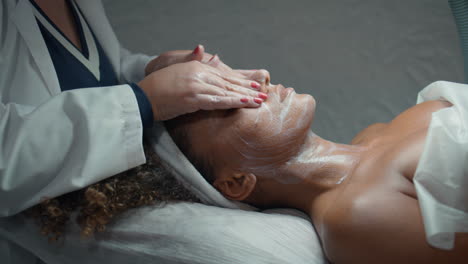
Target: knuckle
{"points": [[230, 87], [215, 99], [210, 104], [192, 78]]}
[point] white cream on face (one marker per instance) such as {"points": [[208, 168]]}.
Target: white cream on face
{"points": [[276, 123], [316, 157], [317, 160], [264, 111], [284, 112], [280, 128]]}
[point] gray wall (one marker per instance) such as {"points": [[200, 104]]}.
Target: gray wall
{"points": [[364, 61]]}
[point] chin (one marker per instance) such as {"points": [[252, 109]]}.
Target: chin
{"points": [[306, 102], [311, 100]]}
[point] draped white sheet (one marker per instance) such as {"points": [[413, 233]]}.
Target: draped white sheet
{"points": [[177, 233], [441, 178]]}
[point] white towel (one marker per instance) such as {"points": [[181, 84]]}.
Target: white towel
{"points": [[441, 178], [186, 173]]}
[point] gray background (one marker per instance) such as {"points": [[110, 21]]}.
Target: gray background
{"points": [[364, 61]]}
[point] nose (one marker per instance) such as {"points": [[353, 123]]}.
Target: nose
{"points": [[262, 77], [273, 88]]}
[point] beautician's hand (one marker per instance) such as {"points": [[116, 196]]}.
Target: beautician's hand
{"points": [[191, 86], [260, 76], [178, 56]]}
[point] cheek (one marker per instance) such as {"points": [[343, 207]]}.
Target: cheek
{"points": [[293, 115], [272, 134], [263, 153], [265, 138]]}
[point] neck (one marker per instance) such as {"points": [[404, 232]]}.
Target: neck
{"points": [[319, 167]]}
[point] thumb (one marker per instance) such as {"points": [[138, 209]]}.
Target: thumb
{"points": [[175, 56], [197, 53]]}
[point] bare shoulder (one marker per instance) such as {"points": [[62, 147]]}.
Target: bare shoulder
{"points": [[368, 133], [382, 226], [408, 121]]}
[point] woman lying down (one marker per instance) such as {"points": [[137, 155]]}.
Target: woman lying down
{"points": [[361, 197]]}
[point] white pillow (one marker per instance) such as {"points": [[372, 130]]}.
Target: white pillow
{"points": [[179, 233]]}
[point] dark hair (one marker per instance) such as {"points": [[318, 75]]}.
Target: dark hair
{"points": [[177, 128], [102, 202]]}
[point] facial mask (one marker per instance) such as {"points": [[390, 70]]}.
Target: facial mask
{"points": [[261, 157], [267, 154]]}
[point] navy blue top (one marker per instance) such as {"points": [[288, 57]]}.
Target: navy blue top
{"points": [[73, 74]]}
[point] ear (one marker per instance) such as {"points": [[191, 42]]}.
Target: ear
{"points": [[236, 186]]}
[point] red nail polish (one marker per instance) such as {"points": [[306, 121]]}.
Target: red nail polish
{"points": [[213, 57], [258, 100], [254, 85], [244, 100], [196, 50], [264, 96]]}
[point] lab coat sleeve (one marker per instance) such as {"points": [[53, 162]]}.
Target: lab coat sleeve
{"points": [[72, 140]]}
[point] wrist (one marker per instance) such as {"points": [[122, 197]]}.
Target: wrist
{"points": [[147, 86], [144, 105]]}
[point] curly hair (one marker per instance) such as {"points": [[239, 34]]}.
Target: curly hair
{"points": [[101, 203]]}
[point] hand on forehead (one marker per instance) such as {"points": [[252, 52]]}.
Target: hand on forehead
{"points": [[260, 76]]}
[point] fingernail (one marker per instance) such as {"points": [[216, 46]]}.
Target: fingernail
{"points": [[196, 50], [263, 96], [258, 100], [244, 100], [255, 85], [212, 57]]}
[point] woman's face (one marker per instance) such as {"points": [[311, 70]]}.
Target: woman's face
{"points": [[255, 140]]}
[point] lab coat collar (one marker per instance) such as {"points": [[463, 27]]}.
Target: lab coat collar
{"points": [[25, 21], [93, 11], [27, 26]]}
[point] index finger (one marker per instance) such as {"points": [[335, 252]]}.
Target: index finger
{"points": [[213, 102]]}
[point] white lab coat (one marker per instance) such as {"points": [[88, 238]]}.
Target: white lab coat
{"points": [[54, 142]]}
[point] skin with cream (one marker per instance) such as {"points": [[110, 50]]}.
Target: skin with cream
{"points": [[360, 196]]}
